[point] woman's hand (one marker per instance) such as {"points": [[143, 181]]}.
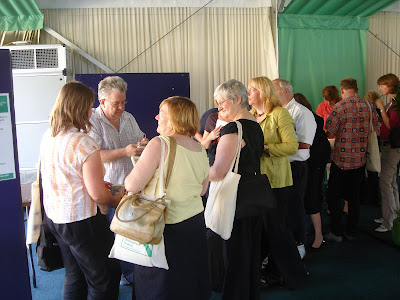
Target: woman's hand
{"points": [[385, 118], [215, 133], [379, 104]]}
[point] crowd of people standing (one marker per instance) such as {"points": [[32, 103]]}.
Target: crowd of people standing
{"points": [[284, 152]]}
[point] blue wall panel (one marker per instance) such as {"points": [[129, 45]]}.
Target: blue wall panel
{"points": [[14, 272], [145, 93]]}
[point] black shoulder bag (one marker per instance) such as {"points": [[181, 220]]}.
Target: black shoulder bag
{"points": [[48, 251]]}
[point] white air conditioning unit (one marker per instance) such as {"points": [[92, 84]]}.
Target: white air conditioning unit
{"points": [[39, 72], [40, 59]]}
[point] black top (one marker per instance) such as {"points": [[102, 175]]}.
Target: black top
{"points": [[320, 150], [250, 155]]}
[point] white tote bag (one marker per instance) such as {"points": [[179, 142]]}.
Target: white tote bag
{"points": [[221, 203], [144, 254], [373, 157], [139, 254], [35, 212]]}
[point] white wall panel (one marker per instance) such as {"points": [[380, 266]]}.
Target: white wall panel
{"points": [[214, 45], [380, 59]]}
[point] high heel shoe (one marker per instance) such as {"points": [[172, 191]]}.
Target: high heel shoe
{"points": [[314, 249]]}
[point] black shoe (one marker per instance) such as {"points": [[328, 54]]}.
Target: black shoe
{"points": [[349, 237], [271, 280], [314, 249]]}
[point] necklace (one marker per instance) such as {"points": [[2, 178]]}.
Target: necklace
{"points": [[259, 115]]}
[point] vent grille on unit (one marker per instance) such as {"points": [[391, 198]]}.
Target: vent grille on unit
{"points": [[43, 59], [23, 59], [47, 58]]}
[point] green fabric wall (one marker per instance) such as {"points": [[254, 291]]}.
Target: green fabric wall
{"points": [[20, 15], [316, 51]]}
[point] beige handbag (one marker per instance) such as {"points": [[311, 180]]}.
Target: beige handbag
{"points": [[373, 157], [140, 219]]}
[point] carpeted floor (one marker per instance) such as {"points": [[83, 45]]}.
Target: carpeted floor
{"points": [[366, 268]]}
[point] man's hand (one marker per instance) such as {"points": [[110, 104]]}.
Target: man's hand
{"points": [[143, 143], [108, 185], [133, 150]]}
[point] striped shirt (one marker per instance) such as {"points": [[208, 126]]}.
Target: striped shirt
{"points": [[65, 197], [108, 137]]}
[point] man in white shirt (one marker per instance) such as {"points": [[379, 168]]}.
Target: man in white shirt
{"points": [[305, 127], [119, 136]]}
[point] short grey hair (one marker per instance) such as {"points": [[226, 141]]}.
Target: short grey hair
{"points": [[232, 89], [111, 83], [285, 85]]}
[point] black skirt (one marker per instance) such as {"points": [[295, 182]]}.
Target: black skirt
{"points": [[187, 277]]}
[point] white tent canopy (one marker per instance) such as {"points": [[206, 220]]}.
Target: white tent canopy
{"points": [[51, 4]]}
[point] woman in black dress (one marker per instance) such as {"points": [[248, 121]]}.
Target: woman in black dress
{"points": [[242, 251]]}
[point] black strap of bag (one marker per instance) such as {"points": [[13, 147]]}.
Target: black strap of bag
{"points": [[48, 251]]}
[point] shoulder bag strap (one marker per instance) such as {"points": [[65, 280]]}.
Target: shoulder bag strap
{"points": [[238, 149], [39, 176], [370, 117], [171, 160]]}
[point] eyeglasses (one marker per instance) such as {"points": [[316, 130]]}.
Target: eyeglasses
{"points": [[221, 102], [116, 104]]}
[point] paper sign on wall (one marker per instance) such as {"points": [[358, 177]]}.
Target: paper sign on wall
{"points": [[7, 164]]}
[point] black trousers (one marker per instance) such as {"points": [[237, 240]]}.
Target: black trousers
{"points": [[242, 257], [295, 201], [344, 184], [279, 242], [85, 245]]}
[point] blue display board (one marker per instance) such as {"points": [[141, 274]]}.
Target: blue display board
{"points": [[14, 278], [145, 93]]}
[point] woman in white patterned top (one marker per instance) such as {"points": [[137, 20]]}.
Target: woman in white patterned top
{"points": [[73, 187]]}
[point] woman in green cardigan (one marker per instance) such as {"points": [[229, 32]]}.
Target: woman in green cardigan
{"points": [[279, 142]]}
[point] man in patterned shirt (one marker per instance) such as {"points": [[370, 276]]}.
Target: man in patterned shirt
{"points": [[118, 135], [349, 123]]}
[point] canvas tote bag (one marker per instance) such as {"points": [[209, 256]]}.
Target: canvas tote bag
{"points": [[373, 158], [221, 203]]}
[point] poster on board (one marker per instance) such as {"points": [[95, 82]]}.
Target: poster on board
{"points": [[7, 164]]}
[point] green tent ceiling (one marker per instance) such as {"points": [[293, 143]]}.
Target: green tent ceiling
{"points": [[20, 15], [360, 8]]}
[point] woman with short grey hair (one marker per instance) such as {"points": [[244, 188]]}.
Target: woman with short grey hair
{"points": [[242, 251]]}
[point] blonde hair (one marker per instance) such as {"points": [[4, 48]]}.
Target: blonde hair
{"points": [[72, 108], [183, 115], [371, 96], [268, 94]]}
